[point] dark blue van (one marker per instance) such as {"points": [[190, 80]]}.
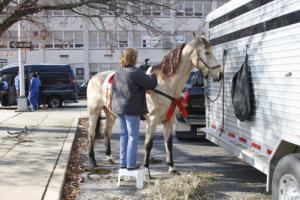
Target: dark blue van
{"points": [[57, 83]]}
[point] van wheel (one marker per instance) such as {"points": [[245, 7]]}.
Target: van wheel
{"points": [[286, 178], [54, 102]]}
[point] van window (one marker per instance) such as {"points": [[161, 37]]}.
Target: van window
{"points": [[54, 78], [198, 79]]}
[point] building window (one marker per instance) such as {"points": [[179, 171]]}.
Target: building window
{"points": [[68, 13], [78, 39], [156, 8], [156, 40], [220, 3], [58, 39], [113, 66], [166, 10], [103, 67], [179, 7], [33, 37], [179, 38], [189, 36], [102, 39], [57, 12], [69, 39], [49, 41], [122, 6], [146, 9], [93, 39], [123, 39], [136, 8], [93, 68], [198, 9], [166, 41], [79, 70], [188, 7], [137, 38], [146, 40], [206, 7], [112, 7], [113, 39]]}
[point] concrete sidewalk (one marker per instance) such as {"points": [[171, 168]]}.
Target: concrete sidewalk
{"points": [[33, 160]]}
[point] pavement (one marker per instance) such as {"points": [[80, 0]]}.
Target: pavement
{"points": [[234, 179], [34, 151], [33, 160]]}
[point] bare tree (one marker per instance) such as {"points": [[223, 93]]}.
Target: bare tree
{"points": [[123, 10]]}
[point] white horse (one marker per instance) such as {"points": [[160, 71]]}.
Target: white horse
{"points": [[195, 54]]}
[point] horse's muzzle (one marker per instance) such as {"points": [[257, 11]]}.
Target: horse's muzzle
{"points": [[218, 76]]}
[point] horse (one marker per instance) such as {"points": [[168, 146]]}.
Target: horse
{"points": [[171, 80]]}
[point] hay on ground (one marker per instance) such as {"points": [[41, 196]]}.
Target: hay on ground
{"points": [[183, 187]]}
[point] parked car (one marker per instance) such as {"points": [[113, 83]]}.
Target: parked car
{"points": [[194, 100], [81, 89], [57, 83]]}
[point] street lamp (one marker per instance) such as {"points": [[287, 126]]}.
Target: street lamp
{"points": [[22, 101]]}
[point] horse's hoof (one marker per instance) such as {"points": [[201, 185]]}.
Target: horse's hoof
{"points": [[110, 162], [174, 172], [93, 164]]}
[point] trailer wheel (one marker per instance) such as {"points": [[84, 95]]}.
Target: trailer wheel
{"points": [[286, 178]]}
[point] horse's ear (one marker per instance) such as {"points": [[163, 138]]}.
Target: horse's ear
{"points": [[194, 35]]}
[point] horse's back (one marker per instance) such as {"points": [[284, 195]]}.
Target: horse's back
{"points": [[96, 90]]}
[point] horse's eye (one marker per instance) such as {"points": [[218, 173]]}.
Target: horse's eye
{"points": [[207, 53]]}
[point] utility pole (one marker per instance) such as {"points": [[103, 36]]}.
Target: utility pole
{"points": [[22, 101]]}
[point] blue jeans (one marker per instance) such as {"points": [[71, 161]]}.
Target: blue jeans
{"points": [[129, 139]]}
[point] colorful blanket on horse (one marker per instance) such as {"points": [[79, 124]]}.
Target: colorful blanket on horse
{"points": [[170, 62], [107, 84]]}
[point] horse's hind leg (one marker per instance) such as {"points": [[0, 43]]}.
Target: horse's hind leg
{"points": [[93, 118], [110, 120], [168, 129]]}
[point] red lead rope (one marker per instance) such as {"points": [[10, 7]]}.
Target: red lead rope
{"points": [[176, 102]]}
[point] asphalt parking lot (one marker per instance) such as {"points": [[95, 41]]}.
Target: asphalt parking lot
{"points": [[234, 179]]}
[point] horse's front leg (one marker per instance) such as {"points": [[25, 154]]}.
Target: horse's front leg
{"points": [[110, 120], [151, 126], [168, 130]]}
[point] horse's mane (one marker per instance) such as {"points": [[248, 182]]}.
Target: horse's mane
{"points": [[170, 62]]}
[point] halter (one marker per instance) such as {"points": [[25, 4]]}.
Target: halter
{"points": [[205, 64]]}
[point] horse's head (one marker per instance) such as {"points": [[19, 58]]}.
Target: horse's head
{"points": [[203, 58]]}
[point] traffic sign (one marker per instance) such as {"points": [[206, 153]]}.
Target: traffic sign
{"points": [[18, 45], [3, 60]]}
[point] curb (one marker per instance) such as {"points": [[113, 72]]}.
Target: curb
{"points": [[57, 180]]}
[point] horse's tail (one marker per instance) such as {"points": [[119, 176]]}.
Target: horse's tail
{"points": [[98, 127]]}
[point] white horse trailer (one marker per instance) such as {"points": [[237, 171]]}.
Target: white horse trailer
{"points": [[270, 140]]}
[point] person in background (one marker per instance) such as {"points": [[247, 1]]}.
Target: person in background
{"points": [[129, 103], [17, 86], [4, 92], [34, 89]]}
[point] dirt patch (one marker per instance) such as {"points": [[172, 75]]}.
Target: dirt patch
{"points": [[75, 166]]}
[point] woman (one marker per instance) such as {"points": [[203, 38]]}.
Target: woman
{"points": [[129, 103]]}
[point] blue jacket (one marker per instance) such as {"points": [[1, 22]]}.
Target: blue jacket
{"points": [[35, 85], [17, 82], [129, 91], [4, 86]]}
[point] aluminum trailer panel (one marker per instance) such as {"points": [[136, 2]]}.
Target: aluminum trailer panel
{"points": [[271, 29]]}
